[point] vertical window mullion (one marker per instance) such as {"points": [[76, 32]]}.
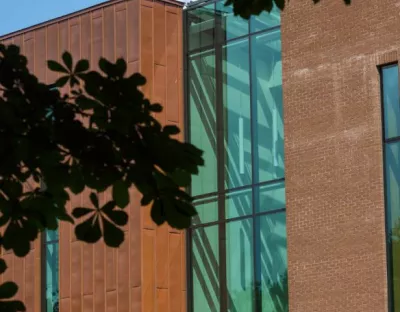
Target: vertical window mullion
{"points": [[43, 279], [220, 160], [254, 168]]}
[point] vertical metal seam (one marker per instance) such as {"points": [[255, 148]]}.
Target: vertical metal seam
{"points": [[186, 121]]}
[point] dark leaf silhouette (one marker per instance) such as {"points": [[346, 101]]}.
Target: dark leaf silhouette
{"points": [[121, 193], [8, 290], [247, 8]]}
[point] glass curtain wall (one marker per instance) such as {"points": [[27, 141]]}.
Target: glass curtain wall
{"points": [[237, 243], [391, 136]]}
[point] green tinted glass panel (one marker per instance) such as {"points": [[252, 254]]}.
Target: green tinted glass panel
{"points": [[238, 203], [52, 277], [267, 108], [265, 20], [392, 165], [232, 26], [201, 24], [270, 197], [201, 82], [51, 235], [390, 92], [236, 100], [272, 262], [205, 268], [239, 265], [207, 210]]}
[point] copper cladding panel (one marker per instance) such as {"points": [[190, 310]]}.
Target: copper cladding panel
{"points": [[147, 272]]}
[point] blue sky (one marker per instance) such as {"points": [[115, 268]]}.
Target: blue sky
{"points": [[18, 14]]}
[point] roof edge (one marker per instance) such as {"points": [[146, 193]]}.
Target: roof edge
{"points": [[76, 14]]}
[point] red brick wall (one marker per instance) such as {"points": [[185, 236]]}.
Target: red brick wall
{"points": [[333, 146], [147, 273]]}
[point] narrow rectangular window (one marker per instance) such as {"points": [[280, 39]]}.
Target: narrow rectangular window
{"points": [[391, 138], [49, 266], [50, 271]]}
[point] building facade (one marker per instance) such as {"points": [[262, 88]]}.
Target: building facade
{"points": [[298, 114], [147, 273]]}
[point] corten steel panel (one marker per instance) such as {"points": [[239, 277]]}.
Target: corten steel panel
{"points": [[147, 272], [123, 286], [28, 42], [40, 53], [52, 50], [17, 267], [162, 252], [65, 304], [30, 271], [88, 303], [159, 34], [161, 63], [133, 11], [120, 32], [109, 29], [175, 271], [172, 108], [76, 276], [111, 269], [162, 299], [333, 152], [112, 301], [86, 36]]}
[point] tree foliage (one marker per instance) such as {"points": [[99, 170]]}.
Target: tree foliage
{"points": [[247, 8], [100, 136]]}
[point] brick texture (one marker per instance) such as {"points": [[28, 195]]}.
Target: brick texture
{"points": [[333, 152], [147, 273]]}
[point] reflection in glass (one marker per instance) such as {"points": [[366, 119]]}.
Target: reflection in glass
{"points": [[236, 100], [270, 197], [205, 266], [203, 119], [51, 235], [239, 265], [207, 210], [249, 137], [267, 107], [238, 203], [390, 86], [52, 273], [201, 24], [271, 262], [232, 26], [392, 165], [265, 20]]}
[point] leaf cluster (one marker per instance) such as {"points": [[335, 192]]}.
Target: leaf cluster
{"points": [[100, 135], [247, 8]]}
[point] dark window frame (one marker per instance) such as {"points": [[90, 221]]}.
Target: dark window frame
{"points": [[385, 142]]}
